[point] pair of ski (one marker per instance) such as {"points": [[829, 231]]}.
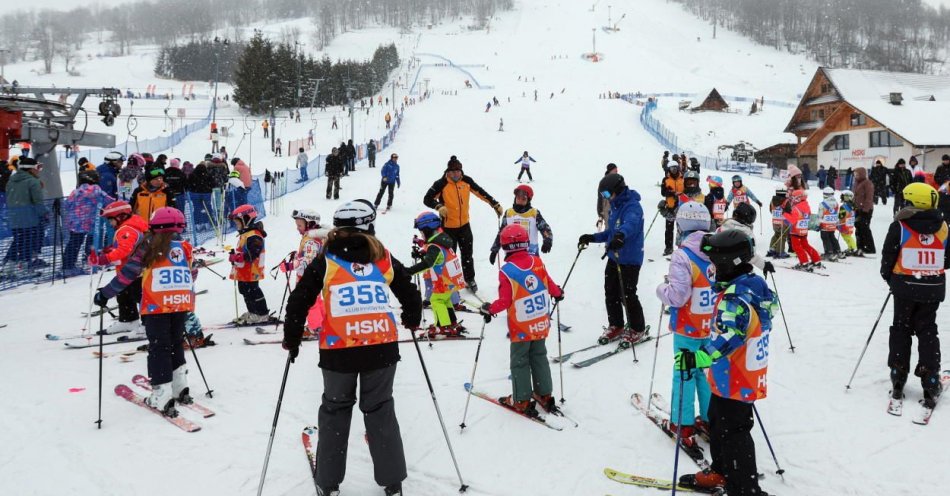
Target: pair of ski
{"points": [[130, 395], [603, 356], [543, 420], [236, 325], [88, 335], [90, 343], [922, 417], [813, 271]]}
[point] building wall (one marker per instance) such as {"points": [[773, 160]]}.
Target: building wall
{"points": [[861, 155]]}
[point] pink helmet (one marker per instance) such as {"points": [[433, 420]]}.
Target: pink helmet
{"points": [[167, 219], [136, 160]]}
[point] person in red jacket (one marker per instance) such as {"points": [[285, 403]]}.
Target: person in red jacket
{"points": [[525, 291], [798, 218], [129, 230]]}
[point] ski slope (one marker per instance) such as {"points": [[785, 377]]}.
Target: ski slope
{"points": [[829, 442]]}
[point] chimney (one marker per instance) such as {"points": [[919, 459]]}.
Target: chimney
{"points": [[896, 98]]}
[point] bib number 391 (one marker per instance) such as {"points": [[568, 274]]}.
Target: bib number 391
{"points": [[532, 307]]}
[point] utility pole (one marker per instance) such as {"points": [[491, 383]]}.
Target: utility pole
{"points": [[594, 35], [297, 53], [217, 56], [316, 89], [394, 95], [349, 92], [3, 62]]}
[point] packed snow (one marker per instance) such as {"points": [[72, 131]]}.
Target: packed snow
{"points": [[829, 441]]}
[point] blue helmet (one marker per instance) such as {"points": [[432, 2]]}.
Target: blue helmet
{"points": [[427, 220]]}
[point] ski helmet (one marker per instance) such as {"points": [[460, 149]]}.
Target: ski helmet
{"points": [[781, 191], [611, 185], [513, 238], [119, 210], [673, 167], [88, 177], [245, 213], [737, 178], [798, 196], [727, 250], [692, 216], [847, 195], [427, 220], [744, 213], [136, 160], [234, 174], [166, 220], [310, 216], [691, 174], [828, 191], [714, 181], [357, 214], [524, 188], [114, 156], [921, 195]]}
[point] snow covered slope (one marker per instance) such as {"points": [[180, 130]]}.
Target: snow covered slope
{"points": [[830, 442]]}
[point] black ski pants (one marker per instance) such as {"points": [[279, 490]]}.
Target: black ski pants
{"points": [[668, 237], [914, 318], [524, 170], [731, 444], [862, 230], [829, 242], [166, 350], [333, 186], [620, 293], [253, 297], [463, 247], [383, 186], [379, 418], [129, 300]]}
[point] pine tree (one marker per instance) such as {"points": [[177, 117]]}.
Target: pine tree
{"points": [[252, 79]]}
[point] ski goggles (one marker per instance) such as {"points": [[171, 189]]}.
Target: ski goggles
{"points": [[156, 172], [605, 194]]}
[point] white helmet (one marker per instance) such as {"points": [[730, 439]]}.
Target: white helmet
{"points": [[114, 156], [358, 214], [847, 194], [309, 215], [692, 216], [828, 191]]}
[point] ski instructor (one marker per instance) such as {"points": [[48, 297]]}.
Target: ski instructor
{"points": [[355, 274], [450, 197]]}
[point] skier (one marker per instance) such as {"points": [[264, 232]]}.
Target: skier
{"points": [[450, 197], [741, 194], [743, 218], [624, 239], [691, 189], [302, 161], [671, 189], [371, 151], [163, 264], [798, 218], [688, 292], [900, 178], [334, 169], [525, 291], [779, 206], [278, 148], [129, 230], [247, 264], [528, 217], [828, 223], [443, 272], [715, 201], [736, 360], [390, 178], [82, 204], [236, 193], [913, 260], [265, 125], [371, 359], [151, 194], [313, 237], [846, 223], [525, 161]]}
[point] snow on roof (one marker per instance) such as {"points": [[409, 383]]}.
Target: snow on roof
{"points": [[917, 120]]}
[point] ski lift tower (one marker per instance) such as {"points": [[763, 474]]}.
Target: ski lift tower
{"points": [[27, 115]]}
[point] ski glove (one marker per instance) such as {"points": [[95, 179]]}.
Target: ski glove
{"points": [[688, 360], [617, 242], [498, 209], [235, 257], [584, 240], [546, 245], [485, 311], [768, 268], [292, 349], [492, 256], [100, 299], [98, 258]]}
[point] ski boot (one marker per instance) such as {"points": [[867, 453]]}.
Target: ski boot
{"points": [[896, 404], [180, 386], [610, 334], [667, 252], [932, 390], [704, 480], [629, 337], [771, 253], [805, 267], [162, 400], [120, 327], [526, 407], [393, 489], [818, 265], [328, 491], [687, 434], [472, 286], [546, 403]]}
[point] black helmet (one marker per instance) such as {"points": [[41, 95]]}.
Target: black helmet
{"points": [[88, 177], [744, 213], [727, 250], [613, 185]]}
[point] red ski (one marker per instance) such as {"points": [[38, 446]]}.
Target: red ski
{"points": [[144, 383], [182, 423]]}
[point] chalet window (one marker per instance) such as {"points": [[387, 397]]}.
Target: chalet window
{"points": [[883, 139], [839, 142], [825, 88], [858, 119], [821, 113]]}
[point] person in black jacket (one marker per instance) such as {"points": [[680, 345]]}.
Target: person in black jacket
{"points": [[878, 178], [335, 168], [345, 158], [900, 178], [353, 264], [350, 155], [942, 174], [913, 261]]}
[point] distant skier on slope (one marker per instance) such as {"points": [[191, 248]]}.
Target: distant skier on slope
{"points": [[525, 161], [741, 194]]}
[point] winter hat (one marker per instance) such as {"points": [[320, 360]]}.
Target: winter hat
{"points": [[175, 163], [714, 181], [454, 164], [793, 171], [26, 163], [234, 161], [913, 160], [692, 216], [610, 167], [207, 156], [901, 161], [217, 158], [945, 157]]}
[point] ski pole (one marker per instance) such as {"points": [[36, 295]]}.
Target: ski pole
{"points": [[91, 304], [656, 352], [778, 469], [848, 386], [283, 301], [560, 363], [102, 316], [580, 248], [760, 220], [684, 376], [657, 214], [203, 265], [478, 351], [781, 307], [236, 315], [438, 411], [273, 429], [194, 354]]}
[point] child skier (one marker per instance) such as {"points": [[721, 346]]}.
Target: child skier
{"points": [[741, 194], [247, 264], [525, 290], [129, 230], [743, 217], [779, 206], [313, 237], [163, 263], [688, 293], [828, 223], [736, 360], [846, 223], [82, 205], [525, 161], [443, 270], [716, 201], [798, 218], [528, 217], [913, 262]]}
